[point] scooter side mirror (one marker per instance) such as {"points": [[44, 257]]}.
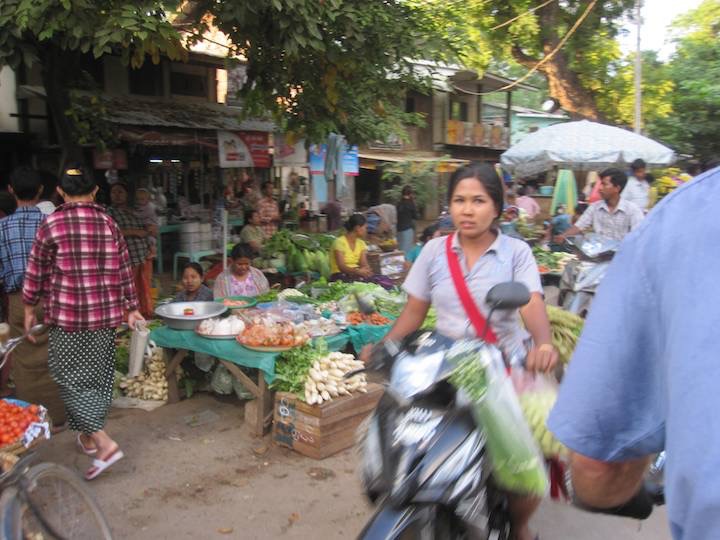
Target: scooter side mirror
{"points": [[510, 295]]}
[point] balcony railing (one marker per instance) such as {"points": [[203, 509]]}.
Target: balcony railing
{"points": [[477, 134]]}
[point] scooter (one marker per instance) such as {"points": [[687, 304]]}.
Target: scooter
{"points": [[581, 278], [423, 455]]}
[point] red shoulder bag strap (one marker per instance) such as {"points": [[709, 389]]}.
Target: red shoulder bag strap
{"points": [[476, 317]]}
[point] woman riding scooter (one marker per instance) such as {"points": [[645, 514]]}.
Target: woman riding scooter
{"points": [[481, 257]]}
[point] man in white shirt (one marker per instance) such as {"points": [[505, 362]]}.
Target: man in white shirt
{"points": [[611, 217], [638, 188]]}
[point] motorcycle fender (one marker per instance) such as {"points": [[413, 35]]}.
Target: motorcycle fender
{"points": [[404, 523]]}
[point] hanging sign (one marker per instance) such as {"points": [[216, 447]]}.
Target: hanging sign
{"points": [[289, 155], [351, 159], [243, 149]]}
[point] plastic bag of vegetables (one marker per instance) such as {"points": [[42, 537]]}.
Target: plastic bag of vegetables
{"points": [[517, 463], [222, 380], [538, 393]]}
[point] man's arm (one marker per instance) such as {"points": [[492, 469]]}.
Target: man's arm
{"points": [[611, 408], [599, 484], [582, 224]]}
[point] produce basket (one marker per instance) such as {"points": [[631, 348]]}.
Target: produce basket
{"points": [[391, 264], [17, 448]]}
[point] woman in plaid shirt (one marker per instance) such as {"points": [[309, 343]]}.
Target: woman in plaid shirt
{"points": [[79, 266]]}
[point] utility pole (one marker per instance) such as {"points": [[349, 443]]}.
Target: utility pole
{"points": [[638, 68]]}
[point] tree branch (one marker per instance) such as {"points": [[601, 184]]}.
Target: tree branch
{"points": [[522, 58]]}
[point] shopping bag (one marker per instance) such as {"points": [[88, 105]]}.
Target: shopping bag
{"points": [[516, 461], [537, 393], [138, 346]]}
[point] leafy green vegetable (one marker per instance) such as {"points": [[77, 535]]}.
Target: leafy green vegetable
{"points": [[122, 358], [291, 368], [430, 321], [516, 462], [269, 296]]}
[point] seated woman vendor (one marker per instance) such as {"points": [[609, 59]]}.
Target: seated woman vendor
{"points": [[240, 279], [348, 260], [194, 290]]}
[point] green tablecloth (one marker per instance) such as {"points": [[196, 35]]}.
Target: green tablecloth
{"points": [[229, 349], [364, 334]]}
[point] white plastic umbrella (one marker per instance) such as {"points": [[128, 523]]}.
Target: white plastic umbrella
{"points": [[582, 145]]}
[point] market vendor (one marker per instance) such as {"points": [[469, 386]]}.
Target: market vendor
{"points": [[612, 217], [240, 279], [269, 210], [483, 257], [252, 233], [194, 290], [348, 260], [137, 236]]}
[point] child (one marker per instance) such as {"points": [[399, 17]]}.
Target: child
{"points": [[145, 212], [433, 231], [193, 288], [240, 279]]}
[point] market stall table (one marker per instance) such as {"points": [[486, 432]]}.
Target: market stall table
{"points": [[232, 355]]}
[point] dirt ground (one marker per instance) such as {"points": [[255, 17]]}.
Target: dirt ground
{"points": [[192, 470]]}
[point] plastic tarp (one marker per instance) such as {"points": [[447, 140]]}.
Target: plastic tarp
{"points": [[582, 145]]}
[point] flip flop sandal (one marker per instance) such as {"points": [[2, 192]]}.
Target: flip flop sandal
{"points": [[84, 449], [99, 466]]}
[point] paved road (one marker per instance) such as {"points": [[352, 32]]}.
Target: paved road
{"points": [[215, 481]]}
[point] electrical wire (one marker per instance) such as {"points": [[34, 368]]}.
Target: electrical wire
{"points": [[545, 59], [528, 12]]}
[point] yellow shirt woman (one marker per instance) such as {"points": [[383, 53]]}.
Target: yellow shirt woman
{"points": [[351, 255]]}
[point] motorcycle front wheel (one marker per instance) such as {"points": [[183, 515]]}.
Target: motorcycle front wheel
{"points": [[428, 522]]}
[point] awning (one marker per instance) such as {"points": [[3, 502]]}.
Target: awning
{"points": [[161, 113], [371, 160]]}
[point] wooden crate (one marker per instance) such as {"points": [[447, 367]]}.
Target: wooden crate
{"points": [[319, 431]]}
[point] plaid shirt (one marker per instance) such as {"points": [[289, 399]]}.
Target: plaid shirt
{"points": [[268, 209], [17, 233], [79, 265], [137, 247], [614, 225]]}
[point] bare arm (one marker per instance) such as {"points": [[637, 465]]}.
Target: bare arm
{"points": [[364, 269], [410, 320], [543, 356], [605, 485]]}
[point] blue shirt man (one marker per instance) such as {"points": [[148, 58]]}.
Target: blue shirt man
{"points": [[17, 233], [645, 375]]}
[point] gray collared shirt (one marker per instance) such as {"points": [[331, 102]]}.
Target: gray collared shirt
{"points": [[614, 225], [507, 259]]}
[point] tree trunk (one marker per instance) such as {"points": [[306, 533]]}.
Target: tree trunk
{"points": [[567, 89], [563, 83], [56, 66]]}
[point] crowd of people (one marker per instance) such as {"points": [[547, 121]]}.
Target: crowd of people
{"points": [[83, 270]]}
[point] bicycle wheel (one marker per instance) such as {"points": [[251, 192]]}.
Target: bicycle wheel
{"points": [[64, 503]]}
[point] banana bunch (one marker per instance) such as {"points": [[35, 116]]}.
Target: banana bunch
{"points": [[566, 329], [536, 409]]}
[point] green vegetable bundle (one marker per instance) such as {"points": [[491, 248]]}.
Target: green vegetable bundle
{"points": [[516, 461], [293, 366], [269, 296], [430, 320], [566, 329]]}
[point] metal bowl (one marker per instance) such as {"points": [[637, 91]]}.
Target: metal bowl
{"points": [[173, 315]]}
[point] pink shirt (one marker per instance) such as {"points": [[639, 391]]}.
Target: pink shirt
{"points": [[528, 204]]}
